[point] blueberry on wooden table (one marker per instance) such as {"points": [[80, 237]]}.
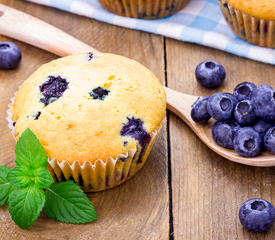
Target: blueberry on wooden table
{"points": [[199, 111], [257, 215], [210, 74], [247, 142], [10, 55], [243, 91], [221, 106]]}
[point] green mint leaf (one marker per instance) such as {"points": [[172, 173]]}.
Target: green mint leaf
{"points": [[4, 172], [25, 205], [21, 176], [44, 178], [18, 176], [29, 151], [66, 202], [5, 186]]}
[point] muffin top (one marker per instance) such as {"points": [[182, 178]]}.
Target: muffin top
{"points": [[263, 9], [89, 106]]}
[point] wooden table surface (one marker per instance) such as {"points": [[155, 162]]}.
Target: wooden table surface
{"points": [[185, 191]]}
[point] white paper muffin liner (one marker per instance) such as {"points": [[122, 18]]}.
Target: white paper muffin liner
{"points": [[254, 30], [100, 175], [143, 9]]}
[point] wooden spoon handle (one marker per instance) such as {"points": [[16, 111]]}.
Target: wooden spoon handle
{"points": [[23, 27], [180, 104]]}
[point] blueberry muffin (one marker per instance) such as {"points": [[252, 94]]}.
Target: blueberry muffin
{"points": [[96, 115], [144, 9], [252, 20]]}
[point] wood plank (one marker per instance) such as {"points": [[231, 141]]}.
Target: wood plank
{"points": [[138, 209], [208, 189]]}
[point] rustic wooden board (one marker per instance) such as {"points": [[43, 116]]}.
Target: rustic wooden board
{"points": [[208, 189], [138, 209]]}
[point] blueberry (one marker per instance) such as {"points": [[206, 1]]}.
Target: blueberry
{"points": [[210, 74], [134, 128], [99, 93], [244, 113], [265, 86], [263, 100], [269, 140], [10, 55], [221, 105], [224, 132], [247, 142], [53, 89], [199, 111], [244, 90], [262, 126], [257, 215]]}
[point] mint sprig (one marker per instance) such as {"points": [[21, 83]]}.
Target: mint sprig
{"points": [[43, 178], [5, 186], [29, 152], [66, 202], [29, 188], [18, 177], [25, 176], [25, 205]]}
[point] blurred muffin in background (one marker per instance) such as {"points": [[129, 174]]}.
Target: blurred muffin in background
{"points": [[144, 9], [251, 20]]}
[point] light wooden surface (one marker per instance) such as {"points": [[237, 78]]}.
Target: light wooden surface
{"points": [[207, 190], [15, 24]]}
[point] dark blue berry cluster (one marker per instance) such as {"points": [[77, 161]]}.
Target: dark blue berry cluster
{"points": [[245, 119]]}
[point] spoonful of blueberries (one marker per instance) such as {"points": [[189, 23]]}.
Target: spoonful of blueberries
{"points": [[238, 126]]}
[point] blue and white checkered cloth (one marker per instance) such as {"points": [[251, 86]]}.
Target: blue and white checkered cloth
{"points": [[200, 22]]}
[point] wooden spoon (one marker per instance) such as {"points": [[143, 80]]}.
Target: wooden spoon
{"points": [[23, 27], [180, 104]]}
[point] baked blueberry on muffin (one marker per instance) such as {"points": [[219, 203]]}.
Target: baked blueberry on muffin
{"points": [[96, 115], [252, 20]]}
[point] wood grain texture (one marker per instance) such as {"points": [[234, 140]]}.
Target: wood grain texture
{"points": [[16, 24], [208, 189], [139, 208]]}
